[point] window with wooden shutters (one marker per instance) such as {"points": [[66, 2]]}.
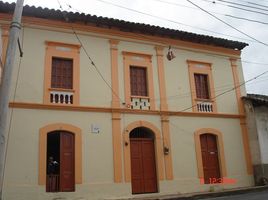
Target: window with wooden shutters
{"points": [[138, 81], [138, 76], [62, 73], [201, 86]]}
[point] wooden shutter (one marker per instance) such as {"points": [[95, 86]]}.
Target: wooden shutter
{"points": [[62, 73], [201, 86], [138, 81], [67, 162]]}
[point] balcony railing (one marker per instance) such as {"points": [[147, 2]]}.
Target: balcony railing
{"points": [[204, 106], [61, 97], [140, 103]]}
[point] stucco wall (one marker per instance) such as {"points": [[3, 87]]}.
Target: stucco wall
{"points": [[97, 153], [95, 92], [261, 114]]}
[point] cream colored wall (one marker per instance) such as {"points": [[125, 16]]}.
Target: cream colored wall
{"points": [[182, 139], [177, 80], [97, 156], [95, 92]]}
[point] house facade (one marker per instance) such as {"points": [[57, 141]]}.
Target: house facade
{"points": [[99, 97], [256, 107]]}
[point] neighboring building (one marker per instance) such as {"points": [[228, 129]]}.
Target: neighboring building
{"points": [[158, 129], [257, 117]]}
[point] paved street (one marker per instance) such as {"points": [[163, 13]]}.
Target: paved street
{"points": [[263, 195]]}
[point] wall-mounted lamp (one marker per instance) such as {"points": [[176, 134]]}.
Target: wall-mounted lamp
{"points": [[170, 54], [166, 150]]}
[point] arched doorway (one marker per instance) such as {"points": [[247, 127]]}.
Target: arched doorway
{"points": [[143, 165], [60, 162], [210, 158]]}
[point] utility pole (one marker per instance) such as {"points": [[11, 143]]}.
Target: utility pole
{"points": [[5, 86]]}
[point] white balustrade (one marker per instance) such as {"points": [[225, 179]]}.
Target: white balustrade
{"points": [[60, 97], [204, 106], [140, 103]]}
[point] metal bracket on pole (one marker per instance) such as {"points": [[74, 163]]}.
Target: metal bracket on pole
{"points": [[20, 49]]}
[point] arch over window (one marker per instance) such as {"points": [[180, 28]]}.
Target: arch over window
{"points": [[158, 147], [198, 151], [43, 132]]}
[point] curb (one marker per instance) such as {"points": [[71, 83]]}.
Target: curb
{"points": [[215, 194]]}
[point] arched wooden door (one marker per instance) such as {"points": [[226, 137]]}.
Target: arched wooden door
{"points": [[210, 158], [143, 167], [60, 146]]}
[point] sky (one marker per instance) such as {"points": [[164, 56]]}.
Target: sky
{"points": [[182, 15]]}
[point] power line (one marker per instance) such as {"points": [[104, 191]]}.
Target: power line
{"points": [[239, 4], [226, 15], [227, 91], [246, 19], [88, 56], [191, 92], [227, 24], [239, 8], [243, 61], [258, 4], [169, 20]]}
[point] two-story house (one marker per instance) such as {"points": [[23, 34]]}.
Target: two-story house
{"points": [[100, 97]]}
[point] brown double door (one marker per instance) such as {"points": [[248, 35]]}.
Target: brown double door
{"points": [[210, 158], [143, 169]]}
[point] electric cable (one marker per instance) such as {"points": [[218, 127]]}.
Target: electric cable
{"points": [[227, 91], [217, 13], [88, 56], [239, 4], [169, 20], [239, 8], [227, 23]]}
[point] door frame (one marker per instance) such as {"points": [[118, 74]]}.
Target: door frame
{"points": [[42, 168], [221, 156], [159, 155]]}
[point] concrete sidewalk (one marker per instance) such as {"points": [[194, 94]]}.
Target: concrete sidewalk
{"points": [[202, 195]]}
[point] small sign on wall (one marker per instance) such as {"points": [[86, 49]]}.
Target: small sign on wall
{"points": [[95, 128]]}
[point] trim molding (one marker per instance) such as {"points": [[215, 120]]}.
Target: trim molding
{"points": [[40, 106], [243, 122], [159, 161]]}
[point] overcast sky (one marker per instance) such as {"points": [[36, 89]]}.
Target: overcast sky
{"points": [[181, 15]]}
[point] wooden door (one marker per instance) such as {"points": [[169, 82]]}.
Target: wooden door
{"points": [[143, 169], [67, 162], [210, 158]]}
